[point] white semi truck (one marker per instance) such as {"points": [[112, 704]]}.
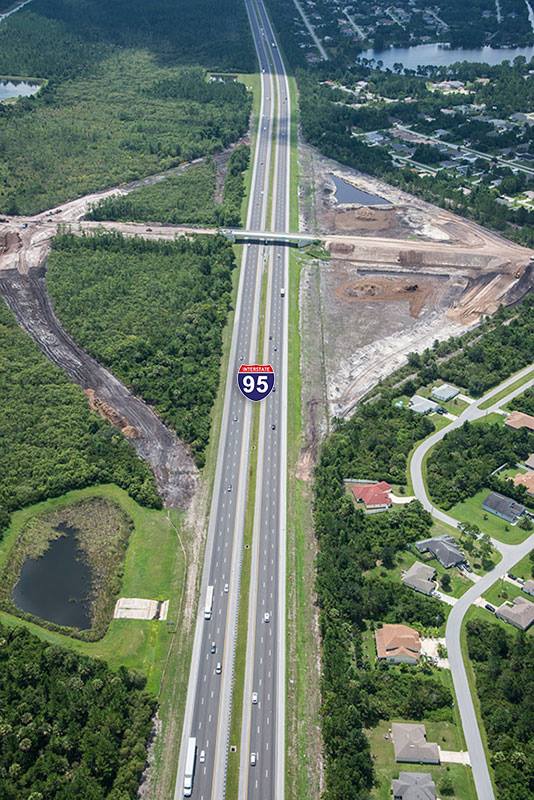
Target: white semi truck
{"points": [[190, 766], [209, 603]]}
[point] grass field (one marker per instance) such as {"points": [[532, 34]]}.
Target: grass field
{"points": [[454, 406], [471, 511], [406, 558], [135, 644], [445, 734], [502, 591]]}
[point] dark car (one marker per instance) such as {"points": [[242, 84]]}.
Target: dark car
{"points": [[490, 608]]}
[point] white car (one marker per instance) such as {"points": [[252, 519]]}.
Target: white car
{"points": [[266, 617], [202, 756], [226, 587], [218, 668], [254, 698], [253, 759]]}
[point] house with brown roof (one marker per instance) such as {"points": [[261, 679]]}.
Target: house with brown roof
{"points": [[410, 744], [525, 479], [517, 419], [397, 644], [519, 613], [420, 577], [374, 496]]}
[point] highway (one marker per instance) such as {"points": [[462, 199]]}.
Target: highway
{"points": [[511, 554], [209, 699]]}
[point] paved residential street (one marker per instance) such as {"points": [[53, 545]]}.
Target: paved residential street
{"points": [[511, 554]]}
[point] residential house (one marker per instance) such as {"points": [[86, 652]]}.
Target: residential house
{"points": [[445, 549], [519, 420], [529, 463], [375, 496], [410, 744], [528, 587], [444, 392], [519, 613], [503, 507], [525, 479], [397, 644], [420, 577], [422, 405], [413, 786]]}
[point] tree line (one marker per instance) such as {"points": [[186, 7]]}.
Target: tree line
{"points": [[51, 442], [70, 727], [153, 313]]}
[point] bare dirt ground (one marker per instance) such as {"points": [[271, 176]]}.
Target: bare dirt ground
{"points": [[171, 462]]}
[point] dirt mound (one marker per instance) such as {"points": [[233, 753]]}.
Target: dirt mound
{"points": [[110, 414], [365, 219], [387, 290], [10, 242]]}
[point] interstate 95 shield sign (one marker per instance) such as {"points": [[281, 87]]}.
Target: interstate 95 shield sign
{"points": [[256, 381]]}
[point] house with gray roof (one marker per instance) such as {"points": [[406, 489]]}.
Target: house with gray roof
{"points": [[420, 577], [413, 786], [444, 392], [410, 744], [423, 405], [528, 587], [529, 463], [519, 613], [445, 549], [503, 507]]}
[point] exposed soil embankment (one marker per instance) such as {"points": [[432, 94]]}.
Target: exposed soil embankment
{"points": [[171, 462]]}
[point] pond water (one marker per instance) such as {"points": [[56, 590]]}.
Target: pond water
{"points": [[347, 193], [440, 55], [10, 89], [57, 586]]}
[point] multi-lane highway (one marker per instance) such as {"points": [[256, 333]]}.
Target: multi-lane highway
{"points": [[209, 699]]}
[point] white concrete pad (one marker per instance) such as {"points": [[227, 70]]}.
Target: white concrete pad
{"points": [[465, 398], [450, 416], [429, 648], [455, 757], [401, 500], [139, 608], [445, 598]]}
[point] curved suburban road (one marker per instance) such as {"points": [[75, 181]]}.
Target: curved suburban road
{"points": [[511, 554]]}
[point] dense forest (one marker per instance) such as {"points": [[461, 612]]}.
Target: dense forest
{"points": [[187, 198], [51, 442], [70, 728], [524, 403], [355, 694], [461, 464], [504, 669], [120, 101], [153, 313]]}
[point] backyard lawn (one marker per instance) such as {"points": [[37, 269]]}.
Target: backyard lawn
{"points": [[445, 734], [471, 511]]}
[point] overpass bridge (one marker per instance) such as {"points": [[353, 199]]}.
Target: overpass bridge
{"points": [[240, 236]]}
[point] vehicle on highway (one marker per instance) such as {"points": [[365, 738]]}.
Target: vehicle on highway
{"points": [[490, 608], [190, 760], [266, 617], [209, 603], [213, 647], [229, 488], [218, 668], [273, 427], [254, 698], [202, 757], [235, 419], [282, 292], [226, 587], [253, 759]]}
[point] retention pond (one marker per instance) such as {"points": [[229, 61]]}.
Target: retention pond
{"points": [[347, 193]]}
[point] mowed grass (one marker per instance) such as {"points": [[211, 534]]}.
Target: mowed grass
{"points": [[445, 734], [471, 512], [154, 568], [503, 591]]}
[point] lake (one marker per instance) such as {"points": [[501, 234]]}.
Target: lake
{"points": [[57, 586], [347, 193], [9, 89], [440, 55]]}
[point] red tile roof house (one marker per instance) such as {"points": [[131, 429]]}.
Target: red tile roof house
{"points": [[374, 496]]}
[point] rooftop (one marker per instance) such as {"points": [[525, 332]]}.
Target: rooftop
{"points": [[519, 613], [503, 506], [372, 494], [420, 576], [530, 461], [422, 405], [445, 392], [525, 479], [413, 786], [519, 420], [444, 548], [528, 587], [410, 744], [397, 642]]}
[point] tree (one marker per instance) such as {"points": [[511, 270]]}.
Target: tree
{"points": [[446, 786], [446, 582]]}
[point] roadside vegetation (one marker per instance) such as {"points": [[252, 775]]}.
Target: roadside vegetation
{"points": [[51, 442], [184, 199], [153, 313], [524, 403], [122, 99], [503, 664]]}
